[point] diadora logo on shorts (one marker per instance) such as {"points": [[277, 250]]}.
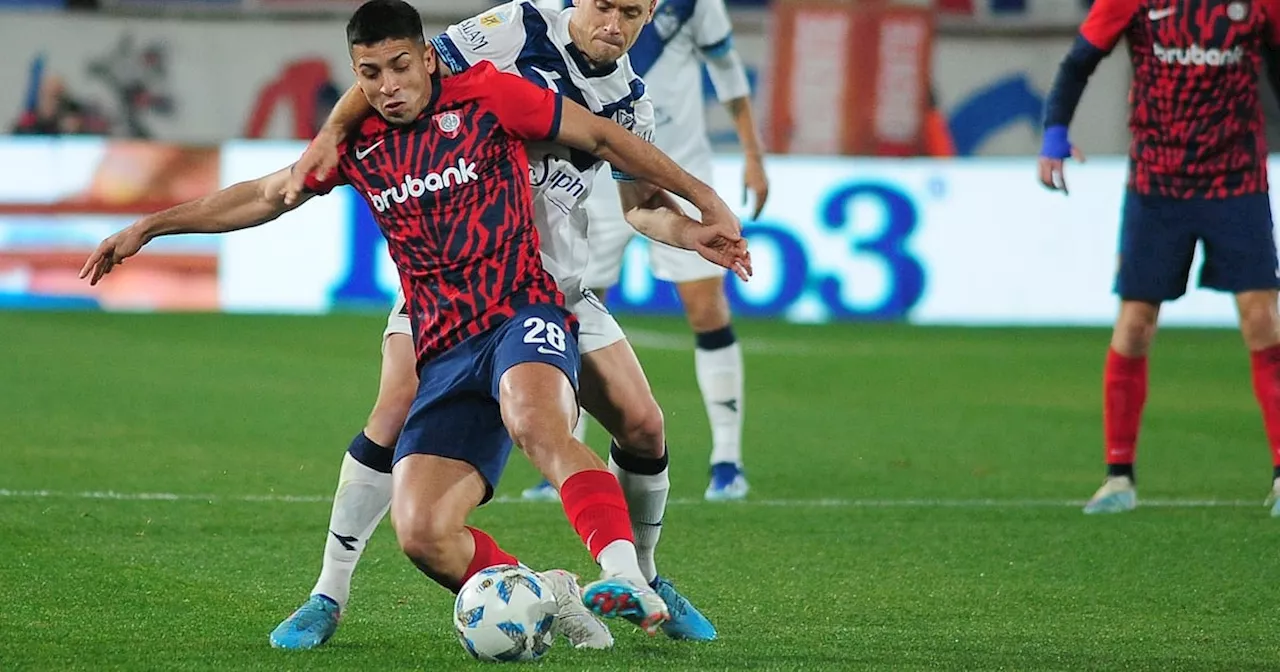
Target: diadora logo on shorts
{"points": [[1198, 55], [415, 187]]}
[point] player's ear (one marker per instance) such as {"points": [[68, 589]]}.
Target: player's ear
{"points": [[653, 7], [429, 59]]}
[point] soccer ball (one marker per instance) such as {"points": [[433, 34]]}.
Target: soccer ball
{"points": [[504, 614]]}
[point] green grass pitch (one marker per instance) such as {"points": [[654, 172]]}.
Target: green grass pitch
{"points": [[915, 503]]}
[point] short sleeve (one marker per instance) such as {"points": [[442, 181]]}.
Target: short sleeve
{"points": [[712, 29], [496, 36], [526, 110], [1107, 21]]}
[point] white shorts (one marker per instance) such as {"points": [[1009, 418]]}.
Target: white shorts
{"points": [[397, 321], [608, 234], [597, 328]]}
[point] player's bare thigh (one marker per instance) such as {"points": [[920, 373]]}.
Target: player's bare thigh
{"points": [[431, 498], [539, 410], [615, 391], [396, 387], [612, 386]]}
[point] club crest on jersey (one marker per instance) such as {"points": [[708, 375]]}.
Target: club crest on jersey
{"points": [[1238, 10], [448, 123], [665, 22], [626, 119]]}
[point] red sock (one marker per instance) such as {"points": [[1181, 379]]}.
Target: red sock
{"points": [[1124, 394], [1266, 387], [594, 503], [487, 554]]}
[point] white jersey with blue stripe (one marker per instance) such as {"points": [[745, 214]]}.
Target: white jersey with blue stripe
{"points": [[668, 55], [534, 43]]}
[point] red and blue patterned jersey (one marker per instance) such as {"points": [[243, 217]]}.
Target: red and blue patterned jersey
{"points": [[451, 193], [1196, 116]]}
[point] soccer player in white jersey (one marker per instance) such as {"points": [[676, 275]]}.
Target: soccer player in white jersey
{"points": [[669, 55], [581, 54]]}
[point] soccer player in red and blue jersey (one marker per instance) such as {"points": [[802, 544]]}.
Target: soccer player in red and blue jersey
{"points": [[443, 166], [1197, 174]]}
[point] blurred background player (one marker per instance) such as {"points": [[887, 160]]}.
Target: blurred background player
{"points": [[1197, 173], [669, 55], [564, 51]]}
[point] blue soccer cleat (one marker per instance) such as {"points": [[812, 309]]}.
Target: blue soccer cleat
{"points": [[636, 602], [308, 627], [686, 621], [1116, 495], [542, 492], [728, 483]]}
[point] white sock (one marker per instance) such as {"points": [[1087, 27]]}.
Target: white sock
{"points": [[720, 379], [647, 503], [362, 499], [580, 429], [619, 559]]}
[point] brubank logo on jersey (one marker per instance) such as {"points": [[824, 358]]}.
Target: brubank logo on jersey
{"points": [[415, 187], [1198, 55]]}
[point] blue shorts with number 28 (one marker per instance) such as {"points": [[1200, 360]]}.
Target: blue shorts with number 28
{"points": [[455, 413]]}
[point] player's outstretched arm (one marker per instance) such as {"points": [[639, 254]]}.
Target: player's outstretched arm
{"points": [[239, 206], [652, 169], [320, 158], [663, 220], [648, 208]]}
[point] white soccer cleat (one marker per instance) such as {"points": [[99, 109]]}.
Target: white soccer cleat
{"points": [[1116, 495], [581, 627], [1273, 500]]}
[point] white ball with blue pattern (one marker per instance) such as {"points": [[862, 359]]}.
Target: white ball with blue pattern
{"points": [[504, 614]]}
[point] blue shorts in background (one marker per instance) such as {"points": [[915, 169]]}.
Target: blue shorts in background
{"points": [[1158, 237]]}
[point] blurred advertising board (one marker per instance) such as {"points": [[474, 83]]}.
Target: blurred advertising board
{"points": [[970, 241]]}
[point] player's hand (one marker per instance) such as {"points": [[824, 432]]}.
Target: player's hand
{"points": [[1056, 149], [112, 252], [755, 183], [319, 160], [723, 245], [1053, 173]]}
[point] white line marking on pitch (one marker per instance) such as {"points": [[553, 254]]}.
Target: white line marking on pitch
{"points": [[815, 503]]}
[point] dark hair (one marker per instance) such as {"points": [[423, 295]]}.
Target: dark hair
{"points": [[378, 20]]}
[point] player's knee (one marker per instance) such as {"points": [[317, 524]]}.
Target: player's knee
{"points": [[705, 304], [1135, 329], [425, 537], [536, 432], [643, 430]]}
